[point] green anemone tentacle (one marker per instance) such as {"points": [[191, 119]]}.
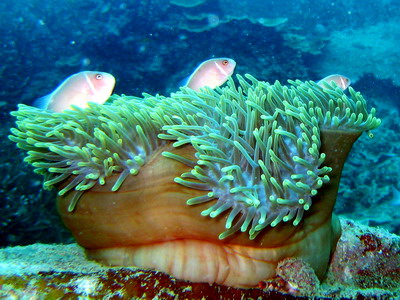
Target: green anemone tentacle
{"points": [[257, 144], [90, 144], [262, 159]]}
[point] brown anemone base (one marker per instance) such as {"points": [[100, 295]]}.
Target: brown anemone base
{"points": [[148, 224], [222, 263]]}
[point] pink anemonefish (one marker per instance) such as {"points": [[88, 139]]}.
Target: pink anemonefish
{"points": [[79, 89], [212, 73], [341, 81]]}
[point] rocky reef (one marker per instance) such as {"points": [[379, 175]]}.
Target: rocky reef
{"points": [[365, 265]]}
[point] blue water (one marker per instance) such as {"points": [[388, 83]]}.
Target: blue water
{"points": [[150, 46]]}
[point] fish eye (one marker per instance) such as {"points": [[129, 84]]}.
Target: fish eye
{"points": [[99, 76], [224, 62]]}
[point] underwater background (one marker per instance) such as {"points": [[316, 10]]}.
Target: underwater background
{"points": [[151, 46]]}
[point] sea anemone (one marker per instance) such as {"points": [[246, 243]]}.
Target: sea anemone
{"points": [[211, 186]]}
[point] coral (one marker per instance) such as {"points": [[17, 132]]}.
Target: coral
{"points": [[186, 3], [295, 277], [260, 161], [299, 41], [366, 258], [204, 21]]}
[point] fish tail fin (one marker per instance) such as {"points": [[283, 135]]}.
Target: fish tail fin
{"points": [[42, 102]]}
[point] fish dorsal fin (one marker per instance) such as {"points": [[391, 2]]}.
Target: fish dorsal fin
{"points": [[42, 102], [184, 81]]}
